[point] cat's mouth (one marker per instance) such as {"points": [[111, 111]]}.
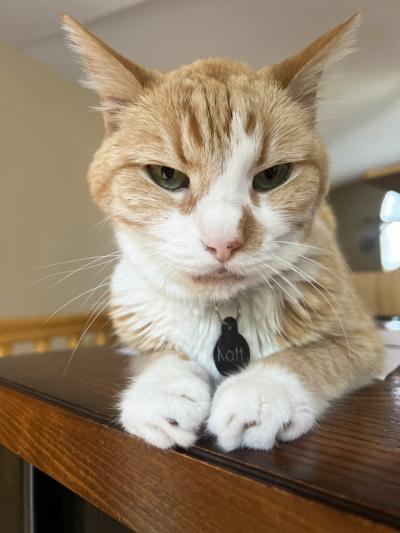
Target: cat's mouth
{"points": [[218, 275]]}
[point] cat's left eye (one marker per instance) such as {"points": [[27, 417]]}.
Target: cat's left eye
{"points": [[271, 177], [168, 178]]}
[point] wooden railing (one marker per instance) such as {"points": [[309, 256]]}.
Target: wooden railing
{"points": [[41, 335]]}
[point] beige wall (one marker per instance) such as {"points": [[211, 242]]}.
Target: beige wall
{"points": [[47, 136]]}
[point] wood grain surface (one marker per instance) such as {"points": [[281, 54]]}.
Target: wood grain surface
{"points": [[343, 477]]}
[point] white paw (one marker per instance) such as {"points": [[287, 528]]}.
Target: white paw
{"points": [[259, 405], [167, 403]]}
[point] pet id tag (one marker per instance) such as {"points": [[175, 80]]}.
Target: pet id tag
{"points": [[231, 353]]}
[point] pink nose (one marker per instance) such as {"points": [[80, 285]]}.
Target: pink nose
{"points": [[222, 249]]}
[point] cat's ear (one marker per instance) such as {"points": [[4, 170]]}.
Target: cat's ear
{"points": [[302, 73], [118, 81]]}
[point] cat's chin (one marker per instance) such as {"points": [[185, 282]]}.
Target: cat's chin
{"points": [[217, 277], [218, 284]]}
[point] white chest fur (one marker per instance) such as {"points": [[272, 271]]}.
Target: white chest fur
{"points": [[191, 325]]}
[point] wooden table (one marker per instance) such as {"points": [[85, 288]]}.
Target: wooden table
{"points": [[343, 477]]}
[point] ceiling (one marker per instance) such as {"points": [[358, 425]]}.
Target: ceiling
{"points": [[359, 115], [24, 23]]}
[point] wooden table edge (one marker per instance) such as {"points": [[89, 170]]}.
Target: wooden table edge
{"points": [[344, 514]]}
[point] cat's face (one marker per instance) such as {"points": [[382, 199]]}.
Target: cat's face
{"points": [[208, 170], [216, 228]]}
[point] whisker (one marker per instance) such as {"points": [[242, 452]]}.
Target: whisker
{"points": [[305, 245], [73, 300], [105, 265], [93, 264], [88, 297], [87, 267], [278, 298], [322, 266], [78, 259], [307, 277], [103, 304], [100, 223], [292, 298], [293, 287]]}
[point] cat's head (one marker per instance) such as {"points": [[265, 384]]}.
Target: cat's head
{"points": [[206, 171]]}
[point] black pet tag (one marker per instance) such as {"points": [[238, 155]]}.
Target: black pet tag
{"points": [[231, 353]]}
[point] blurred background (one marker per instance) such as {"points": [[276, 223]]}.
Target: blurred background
{"points": [[48, 132]]}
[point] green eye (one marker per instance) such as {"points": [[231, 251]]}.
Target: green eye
{"points": [[168, 178], [271, 177]]}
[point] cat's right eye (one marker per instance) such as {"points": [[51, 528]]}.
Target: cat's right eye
{"points": [[168, 178]]}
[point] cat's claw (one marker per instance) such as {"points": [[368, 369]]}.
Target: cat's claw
{"points": [[168, 403], [258, 406]]}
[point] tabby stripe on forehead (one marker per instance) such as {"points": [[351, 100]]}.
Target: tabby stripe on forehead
{"points": [[250, 122], [263, 149], [194, 128], [209, 114], [230, 113], [177, 140]]}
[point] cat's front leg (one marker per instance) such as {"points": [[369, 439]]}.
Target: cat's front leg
{"points": [[167, 402], [281, 396], [259, 405]]}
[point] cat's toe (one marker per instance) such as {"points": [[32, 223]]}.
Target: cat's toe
{"points": [[167, 426], [255, 408], [302, 420], [167, 415], [150, 433], [240, 420]]}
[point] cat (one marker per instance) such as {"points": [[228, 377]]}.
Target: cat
{"points": [[215, 181]]}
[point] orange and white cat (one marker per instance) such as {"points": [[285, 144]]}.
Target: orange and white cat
{"points": [[214, 179]]}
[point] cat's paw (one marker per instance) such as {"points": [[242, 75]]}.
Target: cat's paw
{"points": [[258, 406], [167, 403]]}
